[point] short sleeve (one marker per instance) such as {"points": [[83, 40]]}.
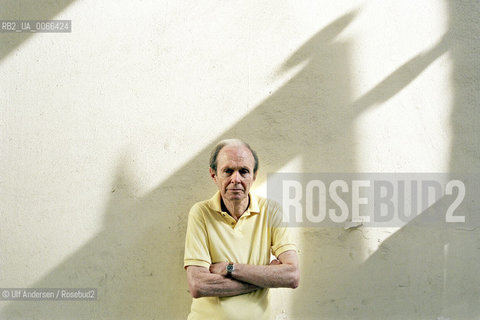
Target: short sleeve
{"points": [[282, 237], [196, 240]]}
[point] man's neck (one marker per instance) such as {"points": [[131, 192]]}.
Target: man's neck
{"points": [[236, 208]]}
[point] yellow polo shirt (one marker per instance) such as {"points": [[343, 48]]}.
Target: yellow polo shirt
{"points": [[214, 236]]}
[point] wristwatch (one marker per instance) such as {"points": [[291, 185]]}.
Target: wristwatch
{"points": [[230, 269]]}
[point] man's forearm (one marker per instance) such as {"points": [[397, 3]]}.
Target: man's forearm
{"points": [[219, 286], [280, 273], [271, 276], [206, 284]]}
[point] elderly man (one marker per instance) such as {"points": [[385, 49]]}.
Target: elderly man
{"points": [[229, 242]]}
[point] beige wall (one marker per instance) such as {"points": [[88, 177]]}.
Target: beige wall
{"points": [[105, 135]]}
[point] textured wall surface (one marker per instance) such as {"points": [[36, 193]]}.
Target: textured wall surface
{"points": [[105, 134]]}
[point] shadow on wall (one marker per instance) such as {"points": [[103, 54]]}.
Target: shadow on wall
{"points": [[420, 272], [136, 260], [26, 10]]}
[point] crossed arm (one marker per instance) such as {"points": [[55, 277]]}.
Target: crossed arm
{"points": [[205, 282]]}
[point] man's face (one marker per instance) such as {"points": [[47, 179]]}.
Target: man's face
{"points": [[234, 174]]}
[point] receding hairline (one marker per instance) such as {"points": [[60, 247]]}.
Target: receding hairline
{"points": [[231, 143]]}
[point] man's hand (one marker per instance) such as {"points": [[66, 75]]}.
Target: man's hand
{"points": [[219, 268]]}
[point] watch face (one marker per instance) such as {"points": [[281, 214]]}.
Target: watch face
{"points": [[230, 268]]}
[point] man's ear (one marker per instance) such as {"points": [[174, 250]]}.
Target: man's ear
{"points": [[213, 174], [254, 176]]}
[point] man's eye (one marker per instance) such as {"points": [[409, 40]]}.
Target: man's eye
{"points": [[244, 171]]}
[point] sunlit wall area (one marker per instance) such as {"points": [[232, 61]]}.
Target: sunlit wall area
{"points": [[105, 135]]}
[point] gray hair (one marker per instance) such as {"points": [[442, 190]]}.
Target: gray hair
{"points": [[231, 142]]}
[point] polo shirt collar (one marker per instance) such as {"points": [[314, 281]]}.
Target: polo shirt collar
{"points": [[215, 203]]}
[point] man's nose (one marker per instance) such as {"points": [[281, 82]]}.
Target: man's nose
{"points": [[236, 177]]}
